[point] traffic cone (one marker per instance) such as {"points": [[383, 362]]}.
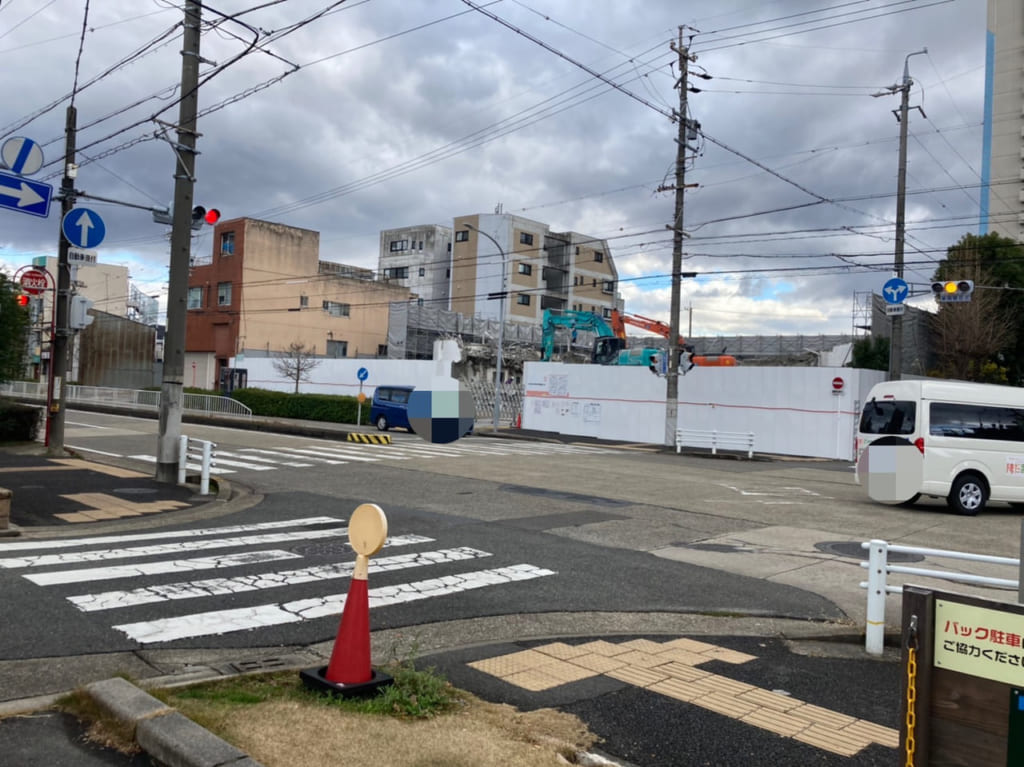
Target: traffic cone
{"points": [[519, 421], [350, 658]]}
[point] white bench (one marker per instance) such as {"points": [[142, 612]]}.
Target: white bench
{"points": [[726, 440]]}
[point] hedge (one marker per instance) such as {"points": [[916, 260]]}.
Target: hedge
{"points": [[18, 423], [308, 407]]}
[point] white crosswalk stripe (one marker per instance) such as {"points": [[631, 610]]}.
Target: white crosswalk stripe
{"points": [[310, 592]]}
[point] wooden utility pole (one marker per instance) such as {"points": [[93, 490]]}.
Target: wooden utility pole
{"points": [[672, 389], [181, 251]]}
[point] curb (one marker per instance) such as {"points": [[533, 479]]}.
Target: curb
{"points": [[163, 733]]}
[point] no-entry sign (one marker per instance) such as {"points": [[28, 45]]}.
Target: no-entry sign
{"points": [[838, 384]]}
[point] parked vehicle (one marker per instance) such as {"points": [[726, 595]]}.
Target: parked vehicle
{"points": [[955, 440], [390, 407]]}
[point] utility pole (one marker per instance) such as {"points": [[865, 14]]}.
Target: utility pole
{"points": [[672, 388], [896, 338], [181, 246], [60, 347]]}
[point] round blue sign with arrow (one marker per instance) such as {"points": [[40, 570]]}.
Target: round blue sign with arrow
{"points": [[83, 228], [895, 291], [362, 374]]}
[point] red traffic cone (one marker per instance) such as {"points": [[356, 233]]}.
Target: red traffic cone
{"points": [[519, 421], [350, 658]]}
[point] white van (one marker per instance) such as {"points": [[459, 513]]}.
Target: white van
{"points": [[960, 441]]}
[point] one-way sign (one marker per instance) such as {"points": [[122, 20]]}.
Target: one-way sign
{"points": [[25, 196]]}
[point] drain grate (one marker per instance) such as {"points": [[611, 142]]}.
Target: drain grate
{"points": [[261, 664], [333, 550], [853, 550]]}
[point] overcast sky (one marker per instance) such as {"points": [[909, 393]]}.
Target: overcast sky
{"points": [[405, 112]]}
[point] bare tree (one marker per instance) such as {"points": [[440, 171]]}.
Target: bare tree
{"points": [[969, 336], [295, 362]]}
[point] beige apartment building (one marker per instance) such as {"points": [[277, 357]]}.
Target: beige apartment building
{"points": [[265, 288], [542, 269], [1003, 149]]}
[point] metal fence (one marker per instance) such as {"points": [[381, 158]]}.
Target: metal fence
{"points": [[141, 398], [483, 397]]}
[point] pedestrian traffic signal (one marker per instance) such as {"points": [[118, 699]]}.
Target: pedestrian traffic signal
{"points": [[953, 290], [201, 215], [21, 299]]}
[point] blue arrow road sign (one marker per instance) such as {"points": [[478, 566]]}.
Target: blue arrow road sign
{"points": [[895, 291], [83, 228], [362, 374], [24, 196]]}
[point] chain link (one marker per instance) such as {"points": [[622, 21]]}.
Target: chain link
{"points": [[910, 746]]}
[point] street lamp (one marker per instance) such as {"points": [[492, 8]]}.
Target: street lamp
{"points": [[501, 327]]}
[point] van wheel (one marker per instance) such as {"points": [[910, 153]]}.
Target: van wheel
{"points": [[968, 494], [382, 423]]}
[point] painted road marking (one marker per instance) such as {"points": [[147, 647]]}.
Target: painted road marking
{"points": [[68, 543], [670, 669], [261, 581], [260, 616]]}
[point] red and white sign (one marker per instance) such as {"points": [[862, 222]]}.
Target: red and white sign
{"points": [[34, 281], [838, 384]]}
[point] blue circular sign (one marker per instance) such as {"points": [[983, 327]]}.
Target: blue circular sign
{"points": [[895, 291], [362, 374], [83, 228]]}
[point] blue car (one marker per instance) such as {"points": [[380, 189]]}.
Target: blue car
{"points": [[390, 407]]}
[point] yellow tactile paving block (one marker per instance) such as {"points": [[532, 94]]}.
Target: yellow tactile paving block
{"points": [[883, 736], [678, 689], [562, 650], [771, 700], [641, 677], [714, 684], [724, 703], [601, 647], [692, 645], [566, 672], [642, 659], [823, 716], [728, 656], [829, 740], [687, 657], [775, 721], [600, 664], [100, 500], [644, 645], [532, 680], [517, 662], [110, 471], [92, 515], [683, 671]]}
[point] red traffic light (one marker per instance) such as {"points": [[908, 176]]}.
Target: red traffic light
{"points": [[212, 216], [21, 299]]}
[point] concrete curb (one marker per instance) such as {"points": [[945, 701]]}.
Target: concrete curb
{"points": [[166, 735]]}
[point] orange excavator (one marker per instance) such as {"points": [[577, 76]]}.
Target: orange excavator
{"points": [[619, 320]]}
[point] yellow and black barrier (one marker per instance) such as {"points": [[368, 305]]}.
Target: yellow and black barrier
{"points": [[370, 439]]}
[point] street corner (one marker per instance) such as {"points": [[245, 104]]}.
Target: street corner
{"points": [[721, 700], [57, 491]]}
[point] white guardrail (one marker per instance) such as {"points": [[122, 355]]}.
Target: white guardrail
{"points": [[200, 450], [74, 394], [878, 568], [726, 440]]}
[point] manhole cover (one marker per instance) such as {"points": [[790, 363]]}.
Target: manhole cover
{"points": [[853, 550], [136, 490], [333, 550], [720, 548]]}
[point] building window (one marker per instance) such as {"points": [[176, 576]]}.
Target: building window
{"points": [[227, 243], [523, 299], [336, 309], [525, 238], [337, 349], [397, 245], [608, 286], [223, 294], [195, 298], [419, 302], [462, 235], [593, 283], [447, 273], [423, 271], [396, 273], [598, 256], [577, 250], [382, 350], [420, 245], [525, 269], [606, 313], [304, 302]]}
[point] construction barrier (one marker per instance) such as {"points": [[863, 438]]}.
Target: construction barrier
{"points": [[370, 439]]}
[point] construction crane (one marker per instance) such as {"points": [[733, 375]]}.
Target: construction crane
{"points": [[619, 320]]}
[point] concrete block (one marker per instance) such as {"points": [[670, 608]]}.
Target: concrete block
{"points": [[176, 741], [123, 700], [5, 508]]}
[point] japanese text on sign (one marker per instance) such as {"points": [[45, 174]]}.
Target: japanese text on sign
{"points": [[979, 641]]}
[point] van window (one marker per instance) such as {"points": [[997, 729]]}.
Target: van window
{"points": [[888, 417], [400, 396], [949, 419]]}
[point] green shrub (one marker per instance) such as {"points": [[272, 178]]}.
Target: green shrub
{"points": [[309, 407], [18, 423]]}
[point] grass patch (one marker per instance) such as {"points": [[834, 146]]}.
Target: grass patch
{"points": [[103, 729]]}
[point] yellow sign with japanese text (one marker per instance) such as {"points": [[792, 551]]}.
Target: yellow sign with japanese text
{"points": [[979, 641]]}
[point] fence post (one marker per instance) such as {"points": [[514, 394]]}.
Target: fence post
{"points": [[204, 480], [750, 445], [874, 634], [714, 442], [182, 458]]}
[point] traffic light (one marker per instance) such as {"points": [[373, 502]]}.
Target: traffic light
{"points": [[78, 314], [22, 299], [201, 215], [953, 290]]}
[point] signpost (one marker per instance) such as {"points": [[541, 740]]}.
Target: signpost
{"points": [[83, 228], [362, 374]]}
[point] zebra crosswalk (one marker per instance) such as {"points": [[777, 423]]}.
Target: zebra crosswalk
{"points": [[230, 461], [251, 576]]}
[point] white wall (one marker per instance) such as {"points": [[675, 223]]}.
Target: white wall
{"points": [[791, 410]]}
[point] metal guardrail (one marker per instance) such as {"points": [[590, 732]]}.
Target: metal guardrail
{"points": [[726, 440], [195, 450], [878, 568], [200, 403]]}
